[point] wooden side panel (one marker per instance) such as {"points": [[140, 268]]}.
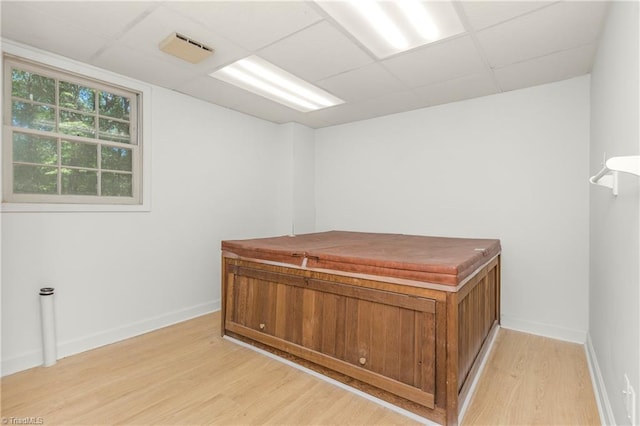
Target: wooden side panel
{"points": [[451, 367], [441, 354], [282, 314], [294, 305], [477, 313], [351, 331], [427, 357], [363, 332], [251, 308], [341, 329], [312, 319], [392, 338], [268, 311], [395, 343], [239, 296], [329, 327], [406, 331]]}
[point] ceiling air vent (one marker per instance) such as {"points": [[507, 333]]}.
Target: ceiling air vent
{"points": [[185, 48]]}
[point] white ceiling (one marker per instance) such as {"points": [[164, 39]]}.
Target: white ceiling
{"points": [[506, 46]]}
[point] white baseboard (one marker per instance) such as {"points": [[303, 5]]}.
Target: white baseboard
{"points": [[21, 362], [545, 330], [602, 400], [85, 343]]}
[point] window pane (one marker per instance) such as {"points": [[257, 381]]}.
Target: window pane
{"points": [[73, 123], [117, 184], [34, 149], [79, 154], [35, 179], [30, 116], [116, 158], [79, 182], [68, 135], [114, 106], [77, 97], [116, 131], [34, 87]]}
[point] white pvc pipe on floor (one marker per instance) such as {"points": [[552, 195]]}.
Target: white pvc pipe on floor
{"points": [[49, 350]]}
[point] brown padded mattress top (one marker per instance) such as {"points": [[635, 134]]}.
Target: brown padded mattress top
{"points": [[432, 259]]}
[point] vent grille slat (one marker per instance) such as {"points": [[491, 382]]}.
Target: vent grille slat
{"points": [[185, 48]]}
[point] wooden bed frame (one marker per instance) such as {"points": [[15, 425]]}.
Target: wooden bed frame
{"points": [[414, 344]]}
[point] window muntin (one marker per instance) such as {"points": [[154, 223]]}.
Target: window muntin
{"points": [[69, 139]]}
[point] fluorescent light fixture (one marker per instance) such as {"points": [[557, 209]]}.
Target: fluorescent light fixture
{"points": [[380, 21], [387, 27], [265, 79], [419, 18]]}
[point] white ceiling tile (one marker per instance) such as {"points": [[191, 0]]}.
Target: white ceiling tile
{"points": [[437, 62], [270, 110], [216, 91], [316, 52], [313, 122], [368, 82], [483, 14], [545, 69], [142, 66], [384, 105], [467, 87], [554, 28], [159, 24], [104, 18], [251, 25], [26, 25]]}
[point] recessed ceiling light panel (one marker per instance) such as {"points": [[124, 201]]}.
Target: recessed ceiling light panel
{"points": [[265, 79], [390, 27]]}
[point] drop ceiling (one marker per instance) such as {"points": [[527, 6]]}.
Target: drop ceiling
{"points": [[505, 46]]}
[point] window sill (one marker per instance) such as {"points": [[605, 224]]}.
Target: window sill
{"points": [[71, 208]]}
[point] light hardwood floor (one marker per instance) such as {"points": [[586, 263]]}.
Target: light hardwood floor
{"points": [[533, 380], [188, 374]]}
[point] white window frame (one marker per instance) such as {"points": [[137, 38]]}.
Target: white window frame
{"points": [[87, 75]]}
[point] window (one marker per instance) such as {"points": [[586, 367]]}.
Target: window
{"points": [[69, 139]]}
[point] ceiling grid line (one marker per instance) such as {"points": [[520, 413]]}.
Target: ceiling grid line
{"points": [[115, 38], [469, 29]]}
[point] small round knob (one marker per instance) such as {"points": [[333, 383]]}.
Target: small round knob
{"points": [[262, 326], [363, 361]]}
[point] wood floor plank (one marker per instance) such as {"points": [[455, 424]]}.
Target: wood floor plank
{"points": [[533, 380], [188, 374]]}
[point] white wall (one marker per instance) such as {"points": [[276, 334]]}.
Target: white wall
{"points": [[215, 176], [304, 196], [512, 166], [614, 309], [285, 177], [297, 174]]}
